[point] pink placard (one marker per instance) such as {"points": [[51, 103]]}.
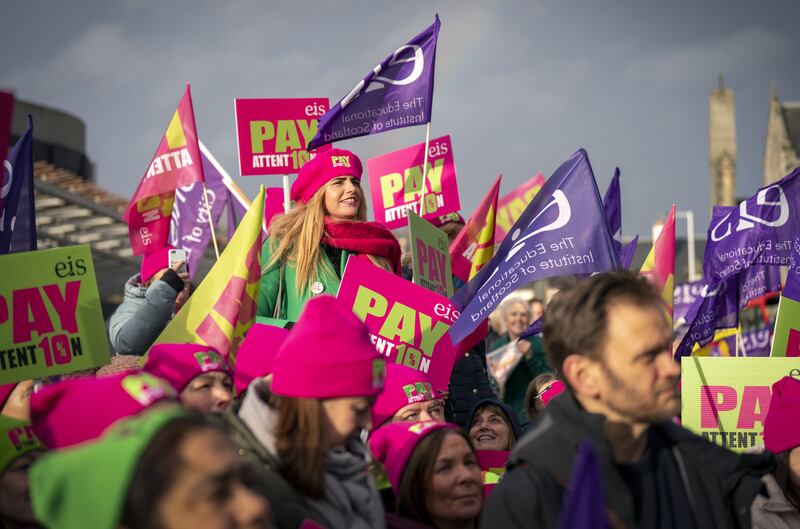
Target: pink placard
{"points": [[511, 206], [395, 181], [6, 113], [407, 323], [272, 134]]}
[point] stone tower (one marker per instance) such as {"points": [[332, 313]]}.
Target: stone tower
{"points": [[782, 146], [722, 146]]}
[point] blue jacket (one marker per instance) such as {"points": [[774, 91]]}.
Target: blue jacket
{"points": [[141, 317]]}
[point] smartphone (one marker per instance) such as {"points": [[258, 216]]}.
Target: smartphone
{"points": [[176, 256]]}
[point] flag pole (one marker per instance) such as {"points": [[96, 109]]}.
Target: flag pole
{"points": [[210, 221], [286, 202], [740, 342], [424, 169]]}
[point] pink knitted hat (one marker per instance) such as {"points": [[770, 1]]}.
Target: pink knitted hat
{"points": [[254, 358], [394, 443], [78, 410], [321, 169], [178, 364], [444, 219], [403, 386], [555, 388], [155, 261], [781, 430], [328, 354]]}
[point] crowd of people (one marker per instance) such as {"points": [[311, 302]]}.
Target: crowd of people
{"points": [[310, 427]]}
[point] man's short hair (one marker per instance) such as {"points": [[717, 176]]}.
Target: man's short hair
{"points": [[576, 320]]}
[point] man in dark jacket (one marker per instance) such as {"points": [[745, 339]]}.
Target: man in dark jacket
{"points": [[608, 338]]}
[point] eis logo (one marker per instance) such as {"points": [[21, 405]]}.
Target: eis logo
{"points": [[763, 207]]}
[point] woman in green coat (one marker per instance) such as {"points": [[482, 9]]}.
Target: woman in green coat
{"points": [[517, 317], [309, 246]]}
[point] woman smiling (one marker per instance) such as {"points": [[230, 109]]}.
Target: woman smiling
{"points": [[309, 246]]}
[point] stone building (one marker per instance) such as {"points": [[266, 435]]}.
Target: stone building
{"points": [[722, 146], [782, 146]]}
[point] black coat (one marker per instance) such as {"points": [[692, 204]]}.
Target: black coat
{"points": [[723, 484], [469, 384], [469, 381]]}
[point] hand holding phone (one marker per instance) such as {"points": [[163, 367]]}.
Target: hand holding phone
{"points": [[178, 256]]}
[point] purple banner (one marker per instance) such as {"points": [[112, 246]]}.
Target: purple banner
{"points": [[17, 206], [715, 308], [754, 343], [759, 231], [563, 231], [190, 228], [627, 252], [792, 288], [397, 93], [612, 205], [685, 295], [718, 308]]}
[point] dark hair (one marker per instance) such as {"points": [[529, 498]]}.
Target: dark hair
{"points": [[158, 466], [299, 444], [576, 320], [413, 491], [452, 229], [533, 405], [783, 476]]}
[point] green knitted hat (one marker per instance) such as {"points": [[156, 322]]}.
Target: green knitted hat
{"points": [[16, 438], [86, 485]]}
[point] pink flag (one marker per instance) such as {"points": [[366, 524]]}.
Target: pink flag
{"points": [[659, 267], [511, 206], [474, 246], [176, 163]]}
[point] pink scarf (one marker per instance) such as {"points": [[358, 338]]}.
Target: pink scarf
{"points": [[372, 238]]}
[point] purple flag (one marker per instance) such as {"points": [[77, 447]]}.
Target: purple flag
{"points": [[759, 231], [715, 308], [562, 231], [612, 205], [792, 288], [757, 342], [17, 205], [397, 93], [718, 307], [627, 252], [190, 228], [754, 343], [533, 328], [236, 210], [584, 506], [684, 296]]}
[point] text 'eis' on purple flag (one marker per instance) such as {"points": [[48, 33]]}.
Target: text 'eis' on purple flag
{"points": [[397, 93], [759, 231], [563, 231], [17, 204]]}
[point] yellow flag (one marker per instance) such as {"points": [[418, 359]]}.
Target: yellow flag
{"points": [[223, 306]]}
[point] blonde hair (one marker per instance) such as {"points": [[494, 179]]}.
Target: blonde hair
{"points": [[295, 237]]}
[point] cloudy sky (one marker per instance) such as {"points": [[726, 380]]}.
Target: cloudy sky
{"points": [[519, 85]]}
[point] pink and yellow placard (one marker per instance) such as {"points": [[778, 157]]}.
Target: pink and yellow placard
{"points": [[407, 323], [511, 206], [272, 134], [395, 181]]}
